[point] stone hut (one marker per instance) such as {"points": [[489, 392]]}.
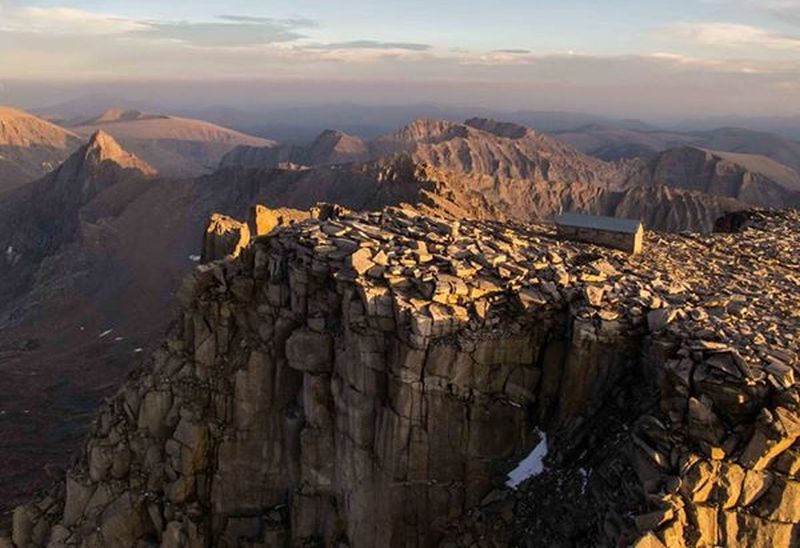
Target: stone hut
{"points": [[624, 234]]}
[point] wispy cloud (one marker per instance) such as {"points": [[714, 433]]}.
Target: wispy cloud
{"points": [[225, 31], [61, 20], [732, 35], [296, 22], [233, 31], [377, 45]]}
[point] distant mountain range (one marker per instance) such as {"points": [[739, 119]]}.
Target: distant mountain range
{"points": [[749, 170], [176, 147], [614, 142]]}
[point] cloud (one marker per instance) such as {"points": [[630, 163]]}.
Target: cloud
{"points": [[703, 65], [60, 20], [225, 31], [234, 31], [376, 45], [732, 35], [295, 22]]}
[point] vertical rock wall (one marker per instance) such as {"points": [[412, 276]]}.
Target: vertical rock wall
{"points": [[370, 380]]}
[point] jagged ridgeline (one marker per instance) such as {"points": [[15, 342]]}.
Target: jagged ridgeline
{"points": [[369, 379]]}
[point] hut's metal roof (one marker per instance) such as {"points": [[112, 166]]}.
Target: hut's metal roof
{"points": [[596, 222]]}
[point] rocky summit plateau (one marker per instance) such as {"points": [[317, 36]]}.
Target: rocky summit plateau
{"points": [[393, 378]]}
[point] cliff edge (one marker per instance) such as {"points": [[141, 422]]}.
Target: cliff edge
{"points": [[370, 379]]}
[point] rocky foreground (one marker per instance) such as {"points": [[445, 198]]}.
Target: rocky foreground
{"points": [[370, 379]]}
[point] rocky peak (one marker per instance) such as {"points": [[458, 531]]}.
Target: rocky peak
{"points": [[335, 147], [330, 135], [428, 130], [501, 129], [100, 163], [102, 147]]}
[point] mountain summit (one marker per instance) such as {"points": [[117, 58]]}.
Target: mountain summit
{"points": [[38, 219], [102, 147], [97, 165]]}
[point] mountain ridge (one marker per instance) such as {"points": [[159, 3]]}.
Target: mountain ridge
{"points": [[175, 146], [30, 147]]}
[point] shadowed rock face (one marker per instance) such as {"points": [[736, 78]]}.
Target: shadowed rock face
{"points": [[370, 379], [718, 174], [37, 219]]}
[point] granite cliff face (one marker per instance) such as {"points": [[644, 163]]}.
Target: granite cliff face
{"points": [[368, 379]]}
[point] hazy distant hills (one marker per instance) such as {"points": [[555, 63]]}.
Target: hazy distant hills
{"points": [[752, 179], [614, 142], [176, 147], [179, 147], [780, 149], [785, 126], [302, 123], [611, 142], [329, 148], [30, 147]]}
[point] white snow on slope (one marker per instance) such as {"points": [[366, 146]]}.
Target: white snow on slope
{"points": [[530, 466]]}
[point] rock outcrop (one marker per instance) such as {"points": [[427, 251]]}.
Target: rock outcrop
{"points": [[263, 220], [224, 238], [368, 379]]}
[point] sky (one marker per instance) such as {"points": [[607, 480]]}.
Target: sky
{"points": [[617, 57]]}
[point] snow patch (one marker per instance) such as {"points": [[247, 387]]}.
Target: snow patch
{"points": [[531, 466], [584, 479], [105, 333], [194, 258], [137, 350]]}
